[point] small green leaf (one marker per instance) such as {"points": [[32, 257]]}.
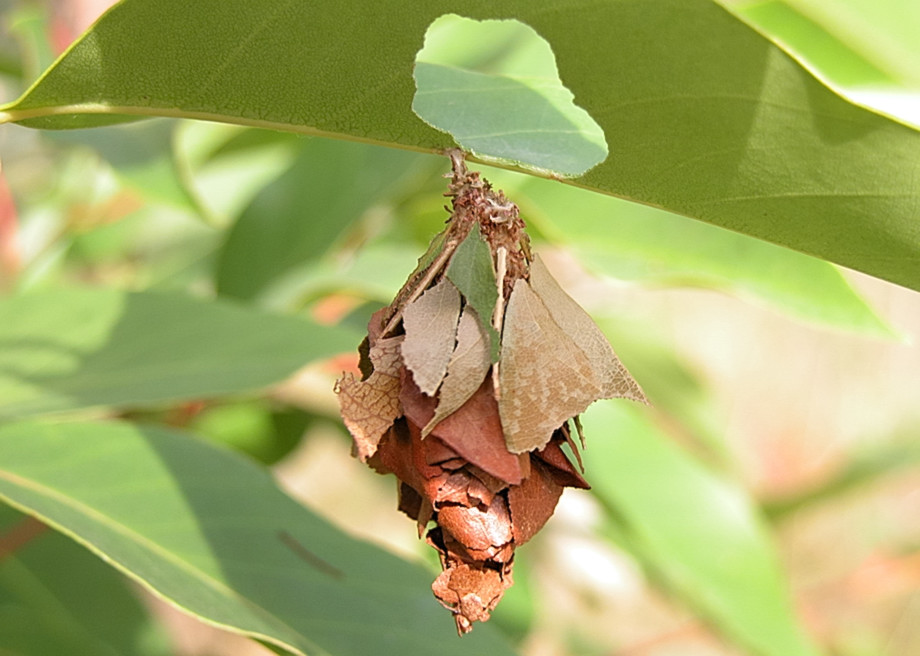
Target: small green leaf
{"points": [[699, 534], [525, 119], [505, 106], [81, 348], [472, 272], [210, 532]]}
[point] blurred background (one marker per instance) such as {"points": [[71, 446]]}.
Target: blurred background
{"points": [[790, 383]]}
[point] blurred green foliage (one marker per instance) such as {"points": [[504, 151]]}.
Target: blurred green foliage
{"points": [[272, 250]]}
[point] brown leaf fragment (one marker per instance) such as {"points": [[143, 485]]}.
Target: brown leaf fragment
{"points": [[560, 467], [496, 485], [375, 325], [544, 377], [402, 452], [471, 593], [455, 489], [474, 431], [438, 453], [484, 532], [606, 370], [478, 492], [409, 501], [466, 370], [430, 322], [532, 503], [370, 406], [415, 507]]}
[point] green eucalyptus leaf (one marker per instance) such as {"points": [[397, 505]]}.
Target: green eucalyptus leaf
{"points": [[699, 534], [142, 156], [472, 272], [58, 598], [703, 116], [81, 348], [211, 533], [298, 217]]}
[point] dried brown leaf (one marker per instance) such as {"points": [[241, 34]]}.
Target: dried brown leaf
{"points": [[484, 532], [544, 377], [606, 369], [403, 452], [370, 406], [555, 362], [560, 467], [474, 431], [455, 489], [532, 503], [471, 593], [430, 322], [466, 370]]}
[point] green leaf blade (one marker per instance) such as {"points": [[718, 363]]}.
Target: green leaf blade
{"points": [[296, 219], [203, 528], [504, 118], [57, 598], [699, 534], [82, 348], [649, 245], [750, 142], [472, 272]]}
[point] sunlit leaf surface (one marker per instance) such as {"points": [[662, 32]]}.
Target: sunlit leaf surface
{"points": [[751, 141]]}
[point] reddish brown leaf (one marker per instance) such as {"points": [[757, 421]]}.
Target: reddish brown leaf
{"points": [[471, 593], [474, 431], [483, 531], [532, 503], [560, 467]]}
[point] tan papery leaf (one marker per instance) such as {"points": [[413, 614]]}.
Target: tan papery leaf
{"points": [[544, 377], [370, 406], [606, 369], [430, 322], [466, 370]]}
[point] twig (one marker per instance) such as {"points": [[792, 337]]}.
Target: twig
{"points": [[308, 556]]}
